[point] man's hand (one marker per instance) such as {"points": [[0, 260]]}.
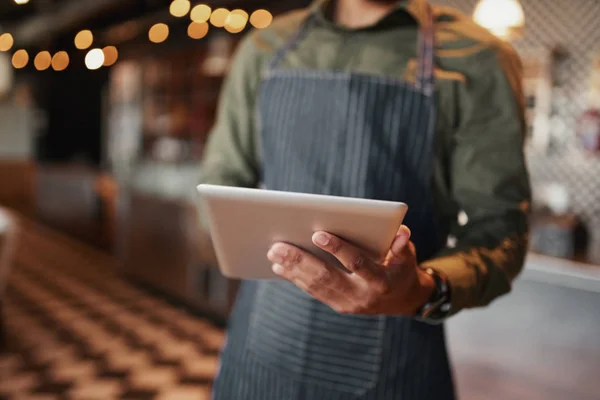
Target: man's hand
{"points": [[395, 286]]}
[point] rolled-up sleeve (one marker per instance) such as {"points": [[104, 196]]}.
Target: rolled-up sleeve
{"points": [[488, 180]]}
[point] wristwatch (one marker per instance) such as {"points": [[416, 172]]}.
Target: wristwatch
{"points": [[439, 304]]}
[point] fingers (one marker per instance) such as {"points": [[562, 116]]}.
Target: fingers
{"points": [[320, 292], [401, 244], [351, 257], [308, 272]]}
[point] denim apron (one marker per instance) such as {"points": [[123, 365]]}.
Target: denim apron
{"points": [[345, 134]]}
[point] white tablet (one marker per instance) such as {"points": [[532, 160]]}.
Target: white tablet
{"points": [[245, 223]]}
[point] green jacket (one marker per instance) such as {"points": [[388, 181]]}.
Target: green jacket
{"points": [[480, 167]]}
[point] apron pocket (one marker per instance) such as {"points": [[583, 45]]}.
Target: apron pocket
{"points": [[306, 340]]}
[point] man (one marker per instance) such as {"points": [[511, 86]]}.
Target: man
{"points": [[376, 99]]}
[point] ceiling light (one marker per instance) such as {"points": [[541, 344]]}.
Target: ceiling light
{"points": [[504, 18]]}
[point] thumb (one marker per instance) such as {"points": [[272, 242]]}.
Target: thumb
{"points": [[400, 242]]}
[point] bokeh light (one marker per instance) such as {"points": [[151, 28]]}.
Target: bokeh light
{"points": [[6, 42], [200, 13], [94, 59], [179, 8], [111, 55], [197, 30], [60, 61], [84, 39], [20, 59], [261, 19], [236, 21], [42, 61], [158, 33], [219, 16]]}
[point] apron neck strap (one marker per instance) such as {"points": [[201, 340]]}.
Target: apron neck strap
{"points": [[425, 79], [296, 38], [426, 52]]}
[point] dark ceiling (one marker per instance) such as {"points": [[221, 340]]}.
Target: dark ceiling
{"points": [[49, 23]]}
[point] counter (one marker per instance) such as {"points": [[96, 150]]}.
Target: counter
{"points": [[561, 272], [539, 342], [161, 244]]}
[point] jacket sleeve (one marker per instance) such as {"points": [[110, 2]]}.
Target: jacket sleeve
{"points": [[489, 181], [230, 157]]}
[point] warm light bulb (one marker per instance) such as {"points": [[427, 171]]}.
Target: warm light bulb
{"points": [[197, 30], [42, 61], [504, 18], [111, 55], [60, 61], [219, 16], [179, 8], [94, 59], [6, 42], [158, 33], [261, 19], [84, 39], [200, 13], [21, 2], [20, 59]]}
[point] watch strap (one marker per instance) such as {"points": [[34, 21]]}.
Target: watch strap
{"points": [[439, 304]]}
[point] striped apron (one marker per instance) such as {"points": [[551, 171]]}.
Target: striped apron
{"points": [[345, 134]]}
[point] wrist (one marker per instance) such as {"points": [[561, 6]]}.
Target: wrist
{"points": [[437, 307], [424, 290]]}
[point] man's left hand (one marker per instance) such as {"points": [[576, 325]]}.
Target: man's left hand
{"points": [[396, 286]]}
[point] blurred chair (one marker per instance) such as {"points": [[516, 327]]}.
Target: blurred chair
{"points": [[8, 235]]}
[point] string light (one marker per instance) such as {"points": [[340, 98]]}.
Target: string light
{"points": [[158, 33], [20, 59], [219, 16], [261, 19], [197, 30], [60, 61], [233, 21], [179, 8], [200, 13], [42, 61], [236, 21], [6, 42], [111, 55], [84, 39], [94, 59]]}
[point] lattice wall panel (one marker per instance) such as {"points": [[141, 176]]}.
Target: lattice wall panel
{"points": [[573, 27]]}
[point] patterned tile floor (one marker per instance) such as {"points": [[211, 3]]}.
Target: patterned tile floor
{"points": [[75, 330]]}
